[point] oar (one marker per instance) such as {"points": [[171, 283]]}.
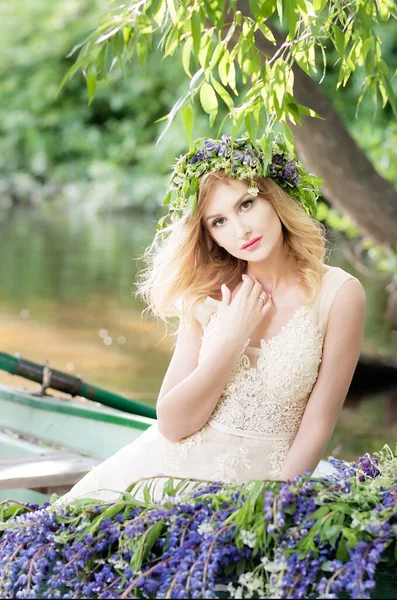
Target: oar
{"points": [[63, 382]]}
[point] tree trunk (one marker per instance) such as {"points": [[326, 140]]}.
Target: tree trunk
{"points": [[351, 183]]}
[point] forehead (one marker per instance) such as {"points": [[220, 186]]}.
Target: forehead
{"points": [[225, 194]]}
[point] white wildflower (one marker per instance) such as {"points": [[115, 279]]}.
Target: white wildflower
{"points": [[253, 190], [251, 582], [205, 528], [248, 538]]}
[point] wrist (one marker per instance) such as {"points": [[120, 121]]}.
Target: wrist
{"points": [[232, 344]]}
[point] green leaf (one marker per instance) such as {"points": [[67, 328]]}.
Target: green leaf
{"points": [[237, 121], [146, 494], [385, 78], [223, 68], [319, 5], [150, 538], [266, 145], [91, 83], [384, 8], [172, 10], [204, 55], [320, 513], [196, 32], [279, 84], [231, 78], [267, 33], [342, 507], [240, 567], [350, 536], [186, 52], [172, 42], [267, 9], [187, 119], [250, 125], [342, 552], [305, 110], [279, 5], [222, 93], [208, 99], [141, 52], [291, 13], [339, 39]]}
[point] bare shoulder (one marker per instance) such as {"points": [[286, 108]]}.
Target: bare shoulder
{"points": [[349, 306]]}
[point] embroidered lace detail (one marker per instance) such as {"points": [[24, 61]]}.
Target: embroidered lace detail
{"points": [[271, 397], [277, 458], [234, 457], [174, 453]]}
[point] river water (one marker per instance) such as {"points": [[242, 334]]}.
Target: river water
{"points": [[66, 296]]}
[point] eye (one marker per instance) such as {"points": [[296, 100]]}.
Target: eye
{"points": [[249, 202], [215, 223]]}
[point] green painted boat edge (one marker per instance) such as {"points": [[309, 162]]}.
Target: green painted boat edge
{"points": [[72, 407]]}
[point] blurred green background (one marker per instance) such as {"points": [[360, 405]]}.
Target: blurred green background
{"points": [[80, 194]]}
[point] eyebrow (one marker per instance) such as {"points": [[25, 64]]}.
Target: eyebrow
{"points": [[234, 206]]}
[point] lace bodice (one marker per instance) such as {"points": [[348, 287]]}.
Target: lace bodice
{"points": [[269, 388], [271, 396]]}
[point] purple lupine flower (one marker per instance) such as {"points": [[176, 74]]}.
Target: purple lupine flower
{"points": [[209, 144], [201, 155], [278, 159], [369, 465]]}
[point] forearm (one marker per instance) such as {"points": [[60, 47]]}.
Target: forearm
{"points": [[188, 406], [305, 453]]}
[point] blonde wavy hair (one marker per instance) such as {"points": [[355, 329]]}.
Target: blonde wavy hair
{"points": [[184, 264]]}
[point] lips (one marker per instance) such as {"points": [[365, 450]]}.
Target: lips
{"points": [[251, 243]]}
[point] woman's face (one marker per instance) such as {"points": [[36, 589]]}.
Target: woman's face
{"points": [[233, 218]]}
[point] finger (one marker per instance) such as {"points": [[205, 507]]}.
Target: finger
{"points": [[226, 294], [267, 304], [248, 284], [257, 290]]}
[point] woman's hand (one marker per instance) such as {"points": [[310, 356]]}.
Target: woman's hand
{"points": [[240, 316]]}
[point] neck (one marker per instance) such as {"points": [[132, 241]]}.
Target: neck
{"points": [[277, 272]]}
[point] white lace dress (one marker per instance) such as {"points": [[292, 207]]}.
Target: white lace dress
{"points": [[255, 420]]}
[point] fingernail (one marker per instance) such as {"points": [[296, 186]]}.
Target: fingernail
{"points": [[269, 294]]}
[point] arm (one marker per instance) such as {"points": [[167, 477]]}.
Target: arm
{"points": [[190, 391], [341, 352]]}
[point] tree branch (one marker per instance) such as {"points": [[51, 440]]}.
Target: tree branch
{"points": [[351, 183]]}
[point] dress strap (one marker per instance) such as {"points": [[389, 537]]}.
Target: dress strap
{"points": [[330, 284]]}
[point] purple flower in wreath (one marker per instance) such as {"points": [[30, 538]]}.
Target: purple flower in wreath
{"points": [[237, 157], [210, 145], [201, 154], [249, 160], [224, 151], [278, 159]]}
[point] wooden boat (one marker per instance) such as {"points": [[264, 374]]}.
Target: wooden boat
{"points": [[48, 442]]}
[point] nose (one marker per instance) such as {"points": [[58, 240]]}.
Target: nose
{"points": [[243, 230]]}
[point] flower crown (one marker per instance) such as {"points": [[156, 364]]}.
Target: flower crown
{"points": [[241, 159]]}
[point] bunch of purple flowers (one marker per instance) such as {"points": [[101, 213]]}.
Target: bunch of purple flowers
{"points": [[306, 538]]}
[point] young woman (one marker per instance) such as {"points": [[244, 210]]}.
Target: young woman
{"points": [[269, 335]]}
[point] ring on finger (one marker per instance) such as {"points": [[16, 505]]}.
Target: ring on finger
{"points": [[262, 298]]}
